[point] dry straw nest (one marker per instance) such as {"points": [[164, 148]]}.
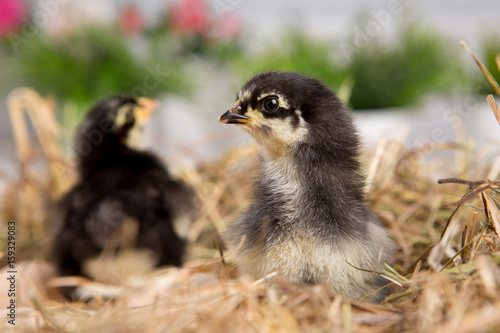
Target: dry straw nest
{"points": [[446, 277]]}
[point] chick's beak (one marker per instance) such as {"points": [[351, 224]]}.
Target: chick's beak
{"points": [[147, 106], [232, 116]]}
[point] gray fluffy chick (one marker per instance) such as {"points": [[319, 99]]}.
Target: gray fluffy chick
{"points": [[308, 221]]}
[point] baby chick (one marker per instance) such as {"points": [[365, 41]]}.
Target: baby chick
{"points": [[119, 184], [308, 221]]}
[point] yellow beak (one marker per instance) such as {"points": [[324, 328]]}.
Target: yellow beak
{"points": [[147, 106]]}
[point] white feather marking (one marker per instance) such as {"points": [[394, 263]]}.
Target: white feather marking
{"points": [[134, 137], [135, 134], [282, 136], [281, 174]]}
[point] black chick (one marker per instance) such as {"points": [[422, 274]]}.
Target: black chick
{"points": [[308, 221], [119, 182]]}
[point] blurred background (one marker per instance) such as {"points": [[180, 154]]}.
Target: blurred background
{"points": [[416, 94], [398, 64]]}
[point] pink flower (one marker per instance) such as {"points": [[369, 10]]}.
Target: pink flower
{"points": [[190, 17], [228, 27], [12, 13], [131, 21]]}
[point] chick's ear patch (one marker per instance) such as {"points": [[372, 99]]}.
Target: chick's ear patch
{"points": [[277, 133], [125, 115]]}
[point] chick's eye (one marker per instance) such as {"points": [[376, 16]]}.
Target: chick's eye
{"points": [[270, 104]]}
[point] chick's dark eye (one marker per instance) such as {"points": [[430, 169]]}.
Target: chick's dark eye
{"points": [[129, 116], [270, 104]]}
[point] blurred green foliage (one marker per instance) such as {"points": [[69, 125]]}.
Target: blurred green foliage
{"points": [[95, 62], [419, 61], [490, 49], [296, 52], [379, 74]]}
